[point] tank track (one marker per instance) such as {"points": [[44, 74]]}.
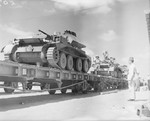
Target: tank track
{"points": [[53, 57]]}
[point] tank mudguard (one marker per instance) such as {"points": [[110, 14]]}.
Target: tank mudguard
{"points": [[10, 51]]}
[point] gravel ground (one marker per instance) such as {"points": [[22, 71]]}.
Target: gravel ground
{"points": [[91, 106]]}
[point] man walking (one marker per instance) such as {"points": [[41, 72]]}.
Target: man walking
{"points": [[132, 78]]}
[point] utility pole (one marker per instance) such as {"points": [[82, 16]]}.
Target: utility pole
{"points": [[144, 109], [147, 13]]}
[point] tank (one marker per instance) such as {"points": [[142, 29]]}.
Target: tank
{"points": [[109, 67], [60, 51]]}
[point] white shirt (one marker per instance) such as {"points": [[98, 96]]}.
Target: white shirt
{"points": [[132, 70], [97, 61]]}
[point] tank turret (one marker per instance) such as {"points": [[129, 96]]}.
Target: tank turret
{"points": [[57, 51]]}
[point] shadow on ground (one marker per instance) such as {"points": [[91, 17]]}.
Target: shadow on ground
{"points": [[29, 101]]}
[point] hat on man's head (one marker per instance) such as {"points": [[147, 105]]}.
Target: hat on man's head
{"points": [[131, 59]]}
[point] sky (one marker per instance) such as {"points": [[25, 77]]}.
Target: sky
{"points": [[118, 26]]}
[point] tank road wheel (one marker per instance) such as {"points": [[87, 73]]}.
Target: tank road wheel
{"points": [[10, 84], [62, 61], [89, 64], [69, 62], [85, 66], [79, 64]]}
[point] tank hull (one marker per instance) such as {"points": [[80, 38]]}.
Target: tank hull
{"points": [[62, 55]]}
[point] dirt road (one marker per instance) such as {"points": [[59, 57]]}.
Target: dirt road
{"points": [[91, 106]]}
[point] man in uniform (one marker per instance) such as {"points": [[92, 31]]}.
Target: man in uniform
{"points": [[106, 57], [132, 78], [97, 62]]}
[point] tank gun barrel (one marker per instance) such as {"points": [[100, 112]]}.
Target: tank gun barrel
{"points": [[49, 37]]}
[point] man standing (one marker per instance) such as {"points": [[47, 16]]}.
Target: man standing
{"points": [[148, 82], [132, 78], [97, 62]]}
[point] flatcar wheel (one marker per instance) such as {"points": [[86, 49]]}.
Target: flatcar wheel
{"points": [[42, 86], [84, 91], [79, 64], [74, 90], [29, 86], [85, 66], [96, 87], [51, 87], [52, 92], [10, 84], [69, 62], [63, 91], [62, 61]]}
